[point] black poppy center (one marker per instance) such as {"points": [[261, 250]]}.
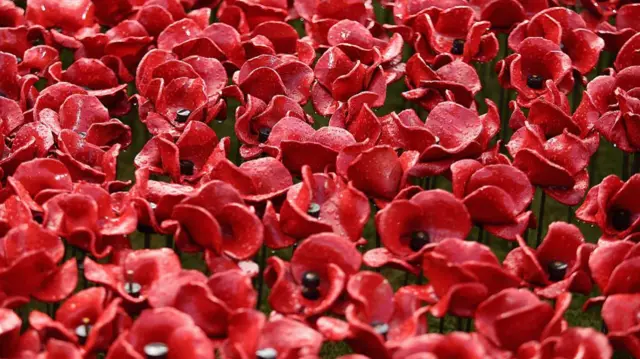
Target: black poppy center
{"points": [[557, 270], [457, 48], [620, 219], [310, 279], [263, 134], [418, 240], [156, 351], [314, 210], [186, 167], [82, 331], [182, 115], [37, 41], [266, 353], [380, 328], [133, 289], [310, 284], [535, 81]]}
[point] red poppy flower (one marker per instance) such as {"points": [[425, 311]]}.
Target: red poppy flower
{"points": [[609, 104], [247, 15], [154, 200], [218, 41], [38, 180], [322, 203], [609, 205], [30, 141], [13, 212], [458, 133], [565, 28], [32, 47], [186, 160], [409, 227], [258, 180], [537, 61], [599, 10], [514, 317], [67, 16], [64, 106], [354, 38], [277, 38], [181, 90], [252, 335], [612, 265], [267, 76], [10, 14], [497, 196], [255, 121], [461, 276], [208, 302], [572, 343], [503, 14], [297, 144], [29, 257], [404, 131], [558, 265], [406, 11], [10, 325], [620, 314], [320, 16], [439, 346], [625, 27], [455, 33], [90, 218], [315, 278], [18, 92], [98, 79], [161, 331], [125, 44], [88, 318], [215, 218], [136, 273], [378, 320], [454, 81], [362, 166], [342, 77], [557, 164]]}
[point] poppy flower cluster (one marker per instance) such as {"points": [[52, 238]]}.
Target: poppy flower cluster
{"points": [[285, 179]]}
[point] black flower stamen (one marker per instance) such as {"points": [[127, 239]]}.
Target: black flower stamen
{"points": [[266, 353], [457, 48], [82, 331], [314, 210], [187, 167], [263, 134], [156, 351], [535, 82], [418, 240], [620, 219], [557, 270], [311, 279], [182, 115]]}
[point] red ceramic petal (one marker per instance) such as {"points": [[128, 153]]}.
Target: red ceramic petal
{"points": [[628, 56], [242, 231], [376, 172]]}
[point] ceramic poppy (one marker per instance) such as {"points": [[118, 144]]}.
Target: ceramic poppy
{"points": [[186, 160], [29, 266], [10, 333], [316, 276], [455, 33], [504, 14], [276, 38], [461, 276], [499, 318], [454, 81], [378, 321], [90, 218], [609, 206], [455, 142], [536, 61], [320, 16], [10, 14], [567, 29], [572, 342], [209, 302], [462, 345], [497, 196], [610, 265], [620, 313], [88, 319], [557, 164], [246, 15], [256, 120], [135, 274], [159, 332], [215, 218], [409, 227], [341, 76], [615, 36], [252, 334], [558, 265]]}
